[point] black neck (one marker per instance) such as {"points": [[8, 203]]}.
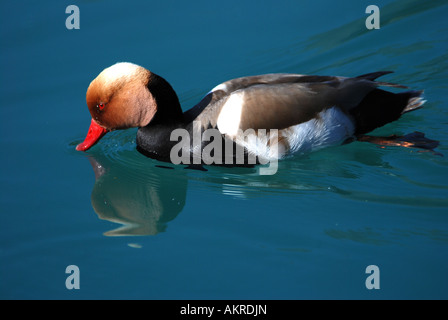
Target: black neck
{"points": [[168, 106]]}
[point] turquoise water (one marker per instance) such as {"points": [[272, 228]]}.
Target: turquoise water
{"points": [[140, 231]]}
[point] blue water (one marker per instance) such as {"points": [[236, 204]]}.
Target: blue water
{"points": [[139, 231]]}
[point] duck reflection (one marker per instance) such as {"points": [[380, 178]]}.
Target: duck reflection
{"points": [[142, 201], [143, 195]]}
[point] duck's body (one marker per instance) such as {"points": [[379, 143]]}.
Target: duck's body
{"points": [[270, 116]]}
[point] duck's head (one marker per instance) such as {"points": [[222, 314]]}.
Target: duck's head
{"points": [[119, 98]]}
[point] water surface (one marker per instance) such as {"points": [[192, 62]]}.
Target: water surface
{"points": [[139, 230]]}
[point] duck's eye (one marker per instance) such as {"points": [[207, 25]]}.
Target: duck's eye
{"points": [[101, 106]]}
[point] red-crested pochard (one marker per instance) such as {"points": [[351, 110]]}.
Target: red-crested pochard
{"points": [[308, 112]]}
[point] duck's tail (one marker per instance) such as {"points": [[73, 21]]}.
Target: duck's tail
{"points": [[380, 107]]}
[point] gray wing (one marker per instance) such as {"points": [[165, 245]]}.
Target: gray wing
{"points": [[277, 101]]}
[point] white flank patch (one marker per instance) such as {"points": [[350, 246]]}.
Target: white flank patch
{"points": [[230, 116], [331, 128]]}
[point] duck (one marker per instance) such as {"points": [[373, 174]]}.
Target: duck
{"points": [[247, 119]]}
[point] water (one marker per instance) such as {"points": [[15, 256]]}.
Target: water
{"points": [[144, 231]]}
